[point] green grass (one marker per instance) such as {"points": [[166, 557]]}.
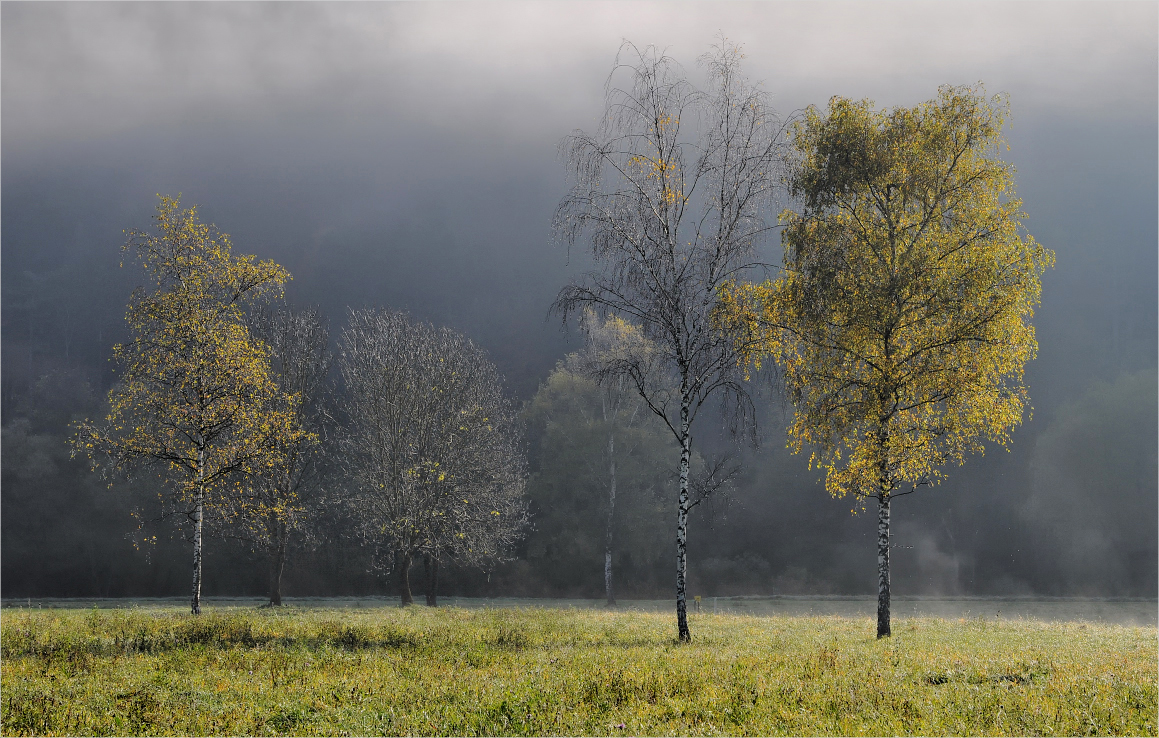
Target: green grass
{"points": [[572, 672]]}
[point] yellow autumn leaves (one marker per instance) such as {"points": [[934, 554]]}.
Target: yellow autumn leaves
{"points": [[901, 319], [195, 392], [662, 168]]}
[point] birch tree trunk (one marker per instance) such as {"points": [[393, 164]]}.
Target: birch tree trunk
{"points": [[883, 566], [404, 579], [682, 528], [198, 520], [611, 518], [198, 516]]}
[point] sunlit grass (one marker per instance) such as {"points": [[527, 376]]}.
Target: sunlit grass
{"points": [[536, 671]]}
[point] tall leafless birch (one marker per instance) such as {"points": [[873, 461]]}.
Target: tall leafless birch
{"points": [[675, 192], [433, 445]]}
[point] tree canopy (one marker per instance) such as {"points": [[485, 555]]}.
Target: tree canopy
{"points": [[433, 445]]}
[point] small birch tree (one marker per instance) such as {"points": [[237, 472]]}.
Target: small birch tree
{"points": [[673, 191], [196, 398], [277, 502], [901, 320]]}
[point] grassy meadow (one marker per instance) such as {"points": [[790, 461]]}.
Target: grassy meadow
{"points": [[450, 671]]}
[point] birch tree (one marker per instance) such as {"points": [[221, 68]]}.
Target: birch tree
{"points": [[901, 321], [673, 191], [433, 446], [195, 400]]}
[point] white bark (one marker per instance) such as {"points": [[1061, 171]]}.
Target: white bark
{"points": [[198, 523]]}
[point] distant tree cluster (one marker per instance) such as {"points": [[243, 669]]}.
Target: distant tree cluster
{"points": [[225, 395], [600, 460]]}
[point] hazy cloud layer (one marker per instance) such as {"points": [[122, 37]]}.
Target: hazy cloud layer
{"points": [[78, 71]]}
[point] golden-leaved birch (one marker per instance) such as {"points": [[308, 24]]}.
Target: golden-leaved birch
{"points": [[901, 319], [195, 398]]}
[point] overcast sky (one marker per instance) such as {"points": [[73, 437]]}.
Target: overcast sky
{"points": [[514, 76], [82, 71]]}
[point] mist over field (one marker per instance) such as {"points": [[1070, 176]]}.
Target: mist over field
{"points": [[405, 156]]}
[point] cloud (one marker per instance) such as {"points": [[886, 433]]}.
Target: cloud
{"points": [[80, 70]]}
